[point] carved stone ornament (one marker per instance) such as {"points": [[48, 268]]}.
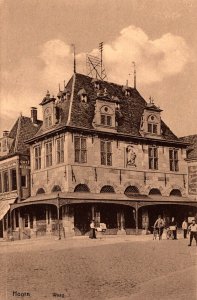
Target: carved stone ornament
{"points": [[130, 156]]}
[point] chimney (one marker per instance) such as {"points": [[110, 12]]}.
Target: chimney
{"points": [[5, 133], [34, 115]]}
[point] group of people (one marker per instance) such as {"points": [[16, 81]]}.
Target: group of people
{"points": [[192, 229]]}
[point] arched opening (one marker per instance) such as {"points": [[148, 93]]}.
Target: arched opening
{"points": [[82, 188], [56, 188], [107, 189], [176, 192], [154, 192], [40, 191], [131, 191]]}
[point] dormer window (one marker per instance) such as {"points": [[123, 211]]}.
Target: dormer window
{"points": [[127, 93], [83, 96], [48, 117], [106, 116], [152, 124]]}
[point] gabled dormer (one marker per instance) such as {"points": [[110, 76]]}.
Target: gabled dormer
{"points": [[105, 112], [49, 111], [96, 84], [83, 96], [126, 90], [151, 120]]}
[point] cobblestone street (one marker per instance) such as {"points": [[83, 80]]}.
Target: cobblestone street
{"points": [[108, 268]]}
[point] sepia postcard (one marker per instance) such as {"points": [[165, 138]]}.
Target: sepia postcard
{"points": [[98, 149]]}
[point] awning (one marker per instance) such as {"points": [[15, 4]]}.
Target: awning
{"points": [[5, 206]]}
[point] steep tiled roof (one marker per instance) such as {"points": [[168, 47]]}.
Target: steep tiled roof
{"points": [[22, 130], [192, 149], [77, 114]]}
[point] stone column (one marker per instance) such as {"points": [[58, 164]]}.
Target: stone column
{"points": [[136, 218], [48, 220], [68, 221], [121, 221]]}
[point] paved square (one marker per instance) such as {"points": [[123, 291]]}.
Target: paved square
{"points": [[108, 268]]}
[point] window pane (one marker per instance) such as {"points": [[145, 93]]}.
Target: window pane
{"points": [[102, 146], [109, 159], [5, 182], [108, 146], [154, 128], [77, 143], [77, 155], [149, 127], [103, 158], [103, 119], [13, 179], [109, 120], [83, 144], [83, 156]]}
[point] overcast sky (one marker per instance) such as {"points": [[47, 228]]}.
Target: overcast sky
{"points": [[159, 35]]}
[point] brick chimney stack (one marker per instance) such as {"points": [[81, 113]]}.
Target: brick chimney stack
{"points": [[5, 133], [34, 117]]}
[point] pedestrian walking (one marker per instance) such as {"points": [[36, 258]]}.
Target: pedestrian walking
{"points": [[193, 232], [173, 228], [159, 226], [185, 228], [92, 234]]}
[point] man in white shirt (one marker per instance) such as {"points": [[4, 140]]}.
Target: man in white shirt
{"points": [[185, 228], [193, 232]]}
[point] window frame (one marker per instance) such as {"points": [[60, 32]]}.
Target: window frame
{"points": [[106, 152], [174, 160], [37, 157], [11, 179], [80, 149], [60, 150], [48, 154], [153, 158]]}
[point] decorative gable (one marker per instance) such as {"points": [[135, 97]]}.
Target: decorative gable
{"points": [[49, 111], [105, 112], [151, 120]]}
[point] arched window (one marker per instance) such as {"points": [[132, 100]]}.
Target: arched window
{"points": [[154, 192], [176, 192], [131, 190], [107, 189], [82, 188], [40, 191], [56, 188]]}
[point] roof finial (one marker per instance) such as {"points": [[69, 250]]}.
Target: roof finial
{"points": [[74, 59], [151, 100], [134, 74]]}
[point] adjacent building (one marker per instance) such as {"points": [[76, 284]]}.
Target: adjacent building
{"points": [[102, 153], [192, 164], [15, 171]]}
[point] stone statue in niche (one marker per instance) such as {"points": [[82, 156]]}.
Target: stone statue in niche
{"points": [[131, 156]]}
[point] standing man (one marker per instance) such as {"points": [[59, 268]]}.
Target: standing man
{"points": [[159, 225], [173, 228], [185, 228], [193, 232]]}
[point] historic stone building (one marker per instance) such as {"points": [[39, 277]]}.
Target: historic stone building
{"points": [[192, 164], [15, 171], [103, 152]]}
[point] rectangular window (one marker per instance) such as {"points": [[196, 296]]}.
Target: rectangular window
{"points": [[5, 182], [173, 158], [24, 181], [48, 148], [13, 179], [60, 150], [106, 120], [106, 153], [152, 128], [80, 149], [153, 158], [37, 155]]}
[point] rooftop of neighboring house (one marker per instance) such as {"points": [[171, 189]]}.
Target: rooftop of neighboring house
{"points": [[75, 113], [23, 129], [192, 149]]}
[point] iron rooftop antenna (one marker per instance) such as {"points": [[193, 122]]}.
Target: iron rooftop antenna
{"points": [[94, 65]]}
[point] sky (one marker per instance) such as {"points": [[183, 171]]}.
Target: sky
{"points": [[36, 52]]}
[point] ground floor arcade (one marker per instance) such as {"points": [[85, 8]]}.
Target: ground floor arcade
{"points": [[66, 215]]}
